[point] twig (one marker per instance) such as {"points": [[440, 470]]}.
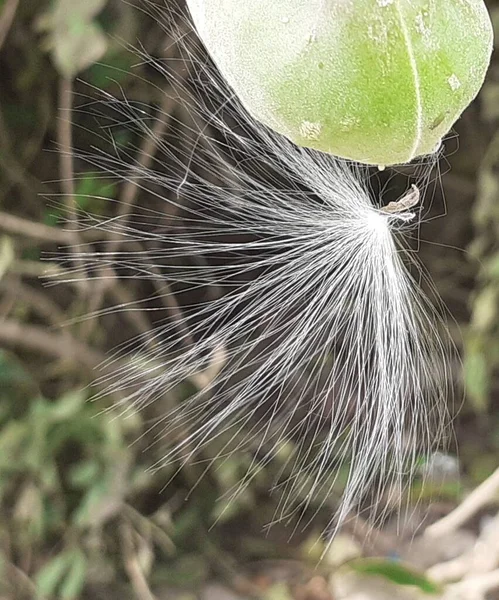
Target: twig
{"points": [[65, 140], [6, 19], [483, 557], [160, 536], [145, 159], [32, 229], [132, 566], [66, 160], [474, 588], [60, 346], [483, 495], [203, 378], [39, 301], [129, 196], [23, 579], [36, 269]]}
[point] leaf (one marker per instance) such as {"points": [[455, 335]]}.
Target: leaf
{"points": [[92, 191], [75, 579], [36, 451], [395, 572], [74, 40], [28, 510], [492, 268], [84, 515], [115, 68], [64, 574], [50, 575], [82, 429], [67, 406], [278, 591], [82, 474], [77, 48], [65, 10], [12, 440], [486, 309]]}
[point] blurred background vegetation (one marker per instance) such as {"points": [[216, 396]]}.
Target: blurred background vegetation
{"points": [[81, 516]]}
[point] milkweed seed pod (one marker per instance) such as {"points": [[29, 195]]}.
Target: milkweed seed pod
{"points": [[376, 81]]}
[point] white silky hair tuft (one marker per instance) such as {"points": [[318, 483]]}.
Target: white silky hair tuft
{"points": [[305, 328]]}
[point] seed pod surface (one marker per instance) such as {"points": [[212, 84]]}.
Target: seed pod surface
{"points": [[376, 81]]}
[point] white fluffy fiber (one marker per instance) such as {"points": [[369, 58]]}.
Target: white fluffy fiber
{"points": [[309, 327]]}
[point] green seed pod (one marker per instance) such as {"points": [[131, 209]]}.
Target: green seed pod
{"points": [[376, 81]]}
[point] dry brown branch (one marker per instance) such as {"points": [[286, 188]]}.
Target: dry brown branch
{"points": [[38, 231], [160, 536], [136, 318], [474, 588], [66, 161], [39, 301], [35, 268], [65, 140], [62, 347], [144, 160], [59, 346], [483, 557], [132, 565], [479, 498]]}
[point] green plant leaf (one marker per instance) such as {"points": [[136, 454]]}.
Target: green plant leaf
{"points": [[67, 406], [74, 581], [66, 10], [91, 192], [50, 575], [114, 68], [84, 516], [75, 41], [278, 591], [486, 309], [395, 572], [78, 48], [84, 473]]}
